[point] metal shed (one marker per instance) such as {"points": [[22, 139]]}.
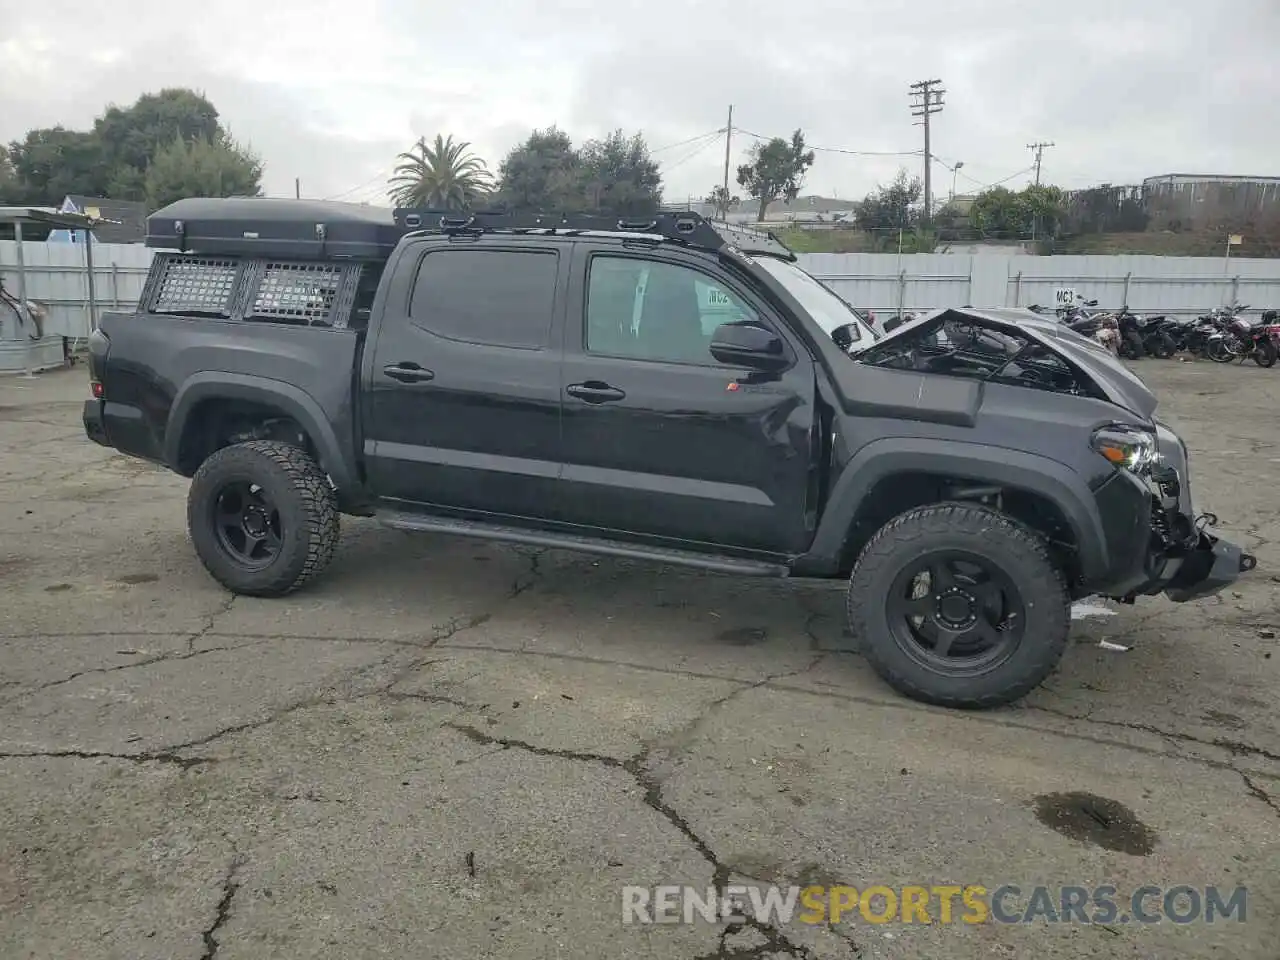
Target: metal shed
{"points": [[23, 345]]}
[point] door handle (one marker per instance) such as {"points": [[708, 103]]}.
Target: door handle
{"points": [[594, 391], [407, 372]]}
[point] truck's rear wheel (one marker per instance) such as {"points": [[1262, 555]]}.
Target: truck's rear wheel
{"points": [[263, 517], [959, 605]]}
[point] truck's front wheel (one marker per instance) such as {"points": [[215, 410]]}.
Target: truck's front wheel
{"points": [[959, 605], [263, 517]]}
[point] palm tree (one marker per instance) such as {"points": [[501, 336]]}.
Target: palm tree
{"points": [[443, 175]]}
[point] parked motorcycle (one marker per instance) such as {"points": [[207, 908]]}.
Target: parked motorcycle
{"points": [[1264, 337], [1131, 335], [1100, 326], [1156, 333], [1192, 336], [1234, 339]]}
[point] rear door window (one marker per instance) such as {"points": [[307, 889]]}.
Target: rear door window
{"points": [[501, 298]]}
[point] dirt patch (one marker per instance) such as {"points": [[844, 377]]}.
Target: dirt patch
{"points": [[743, 636], [1097, 820], [135, 578], [1220, 719], [9, 565]]}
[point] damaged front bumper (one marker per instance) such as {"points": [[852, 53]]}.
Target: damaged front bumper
{"points": [[1185, 558], [1211, 566]]}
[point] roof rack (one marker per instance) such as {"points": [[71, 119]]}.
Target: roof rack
{"points": [[685, 227]]}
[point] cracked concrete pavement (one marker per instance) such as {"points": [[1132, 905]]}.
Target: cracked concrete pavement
{"points": [[449, 748]]}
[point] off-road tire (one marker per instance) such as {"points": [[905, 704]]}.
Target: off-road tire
{"points": [[1019, 551], [302, 494]]}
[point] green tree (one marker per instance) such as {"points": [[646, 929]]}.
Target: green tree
{"points": [[542, 174], [1007, 214], [201, 168], [618, 176], [131, 137], [776, 170], [10, 185], [722, 200], [895, 206], [114, 159], [443, 174], [53, 162]]}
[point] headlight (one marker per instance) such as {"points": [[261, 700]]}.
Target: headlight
{"points": [[1129, 447]]}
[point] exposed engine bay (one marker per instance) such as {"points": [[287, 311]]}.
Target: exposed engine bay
{"points": [[961, 346], [1007, 345]]}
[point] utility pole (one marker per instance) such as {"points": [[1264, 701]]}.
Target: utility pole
{"points": [[1039, 151], [926, 101], [728, 139], [297, 188]]}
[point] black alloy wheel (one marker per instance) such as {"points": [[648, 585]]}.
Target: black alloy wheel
{"points": [[959, 605], [247, 524], [956, 613], [263, 517]]}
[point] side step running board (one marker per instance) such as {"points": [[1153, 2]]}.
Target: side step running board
{"points": [[569, 541]]}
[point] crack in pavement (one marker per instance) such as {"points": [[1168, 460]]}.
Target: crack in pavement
{"points": [[1236, 748], [774, 944], [1258, 793], [212, 619], [815, 642], [230, 886], [673, 744], [887, 702], [171, 754], [639, 768], [432, 698], [162, 658], [636, 768], [159, 756], [535, 574]]}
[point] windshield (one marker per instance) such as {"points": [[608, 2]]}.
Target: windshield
{"points": [[827, 309]]}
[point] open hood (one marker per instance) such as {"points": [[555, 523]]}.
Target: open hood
{"points": [[1011, 328]]}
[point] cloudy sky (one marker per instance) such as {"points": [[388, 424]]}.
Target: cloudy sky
{"points": [[330, 91]]}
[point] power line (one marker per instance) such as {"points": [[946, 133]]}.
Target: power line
{"points": [[996, 183], [927, 100], [853, 153], [667, 168], [1039, 152], [672, 146], [380, 175]]}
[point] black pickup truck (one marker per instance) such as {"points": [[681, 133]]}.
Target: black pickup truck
{"points": [[670, 389]]}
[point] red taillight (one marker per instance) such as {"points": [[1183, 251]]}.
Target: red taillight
{"points": [[96, 389]]}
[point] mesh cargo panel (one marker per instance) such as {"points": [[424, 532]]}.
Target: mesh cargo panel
{"points": [[300, 292], [191, 284]]}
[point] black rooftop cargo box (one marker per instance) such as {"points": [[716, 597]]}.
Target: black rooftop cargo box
{"points": [[269, 227]]}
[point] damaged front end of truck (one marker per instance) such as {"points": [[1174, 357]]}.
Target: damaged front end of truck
{"points": [[1183, 555]]}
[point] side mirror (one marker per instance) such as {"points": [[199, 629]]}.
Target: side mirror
{"points": [[745, 344]]}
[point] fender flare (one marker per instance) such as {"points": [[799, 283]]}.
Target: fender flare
{"points": [[291, 400], [979, 463]]}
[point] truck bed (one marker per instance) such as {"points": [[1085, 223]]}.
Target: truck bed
{"points": [[316, 367]]}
